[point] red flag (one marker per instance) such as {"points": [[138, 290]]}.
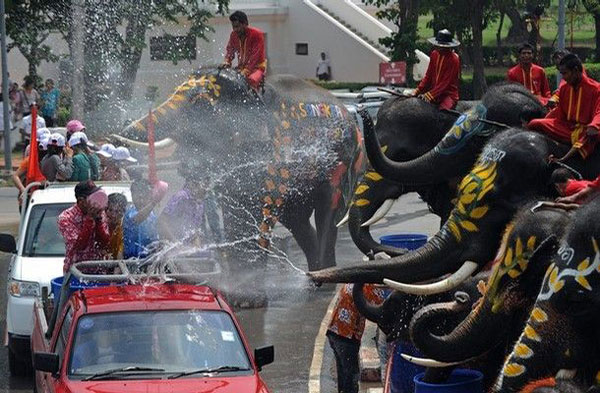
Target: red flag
{"points": [[34, 172], [152, 177]]}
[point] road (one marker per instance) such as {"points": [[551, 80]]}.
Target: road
{"points": [[295, 313]]}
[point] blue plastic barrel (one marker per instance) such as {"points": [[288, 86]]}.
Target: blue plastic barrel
{"points": [[410, 241], [75, 285], [461, 381]]}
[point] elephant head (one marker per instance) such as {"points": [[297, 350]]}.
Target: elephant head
{"points": [[512, 169], [510, 292], [561, 332], [409, 136]]}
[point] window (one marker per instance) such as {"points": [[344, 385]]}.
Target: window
{"points": [[43, 238], [302, 49], [61, 340], [173, 48]]}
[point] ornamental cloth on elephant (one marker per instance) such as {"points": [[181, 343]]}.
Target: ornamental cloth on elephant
{"points": [[440, 84], [578, 108], [250, 51]]}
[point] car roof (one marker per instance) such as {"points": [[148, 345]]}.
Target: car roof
{"points": [[155, 296], [65, 192]]}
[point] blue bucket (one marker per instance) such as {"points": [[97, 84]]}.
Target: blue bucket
{"points": [[402, 373], [75, 285], [410, 241], [461, 381]]}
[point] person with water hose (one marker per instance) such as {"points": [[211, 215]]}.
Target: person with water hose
{"points": [[440, 84], [248, 43]]}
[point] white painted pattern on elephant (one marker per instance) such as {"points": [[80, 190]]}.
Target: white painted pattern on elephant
{"points": [[555, 280], [491, 154], [566, 253]]}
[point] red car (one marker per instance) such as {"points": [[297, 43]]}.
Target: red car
{"points": [[134, 338]]}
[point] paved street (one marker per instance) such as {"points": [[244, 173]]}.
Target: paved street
{"points": [[295, 313]]}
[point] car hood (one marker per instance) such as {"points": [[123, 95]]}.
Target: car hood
{"points": [[39, 269], [240, 384]]}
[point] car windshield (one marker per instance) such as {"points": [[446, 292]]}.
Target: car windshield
{"points": [[173, 341], [43, 238]]}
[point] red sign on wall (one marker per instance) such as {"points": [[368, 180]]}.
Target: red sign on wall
{"points": [[392, 73]]}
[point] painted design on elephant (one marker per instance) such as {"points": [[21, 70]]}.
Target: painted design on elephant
{"points": [[513, 262], [471, 190], [555, 278], [491, 154], [566, 253], [465, 127]]}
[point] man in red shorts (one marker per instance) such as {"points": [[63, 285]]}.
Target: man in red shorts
{"points": [[576, 119], [440, 84], [248, 43]]}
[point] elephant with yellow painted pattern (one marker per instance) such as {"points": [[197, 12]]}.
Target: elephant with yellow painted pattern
{"points": [[561, 334], [280, 156]]}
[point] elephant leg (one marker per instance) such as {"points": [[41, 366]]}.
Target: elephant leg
{"points": [[298, 223], [326, 230]]}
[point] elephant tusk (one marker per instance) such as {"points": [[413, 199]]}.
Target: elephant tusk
{"points": [[343, 220], [380, 213], [427, 362], [566, 373], [444, 285], [162, 144]]}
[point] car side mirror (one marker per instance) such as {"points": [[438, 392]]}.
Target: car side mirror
{"points": [[45, 361], [8, 243], [264, 356]]}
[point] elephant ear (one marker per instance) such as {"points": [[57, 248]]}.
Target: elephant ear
{"points": [[540, 259]]}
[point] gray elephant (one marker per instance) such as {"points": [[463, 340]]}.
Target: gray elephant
{"points": [[277, 157], [561, 333], [417, 148]]}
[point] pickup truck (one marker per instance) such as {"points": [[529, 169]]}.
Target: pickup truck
{"points": [[38, 256], [156, 336]]}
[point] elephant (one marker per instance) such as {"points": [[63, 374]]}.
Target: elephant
{"points": [[272, 157], [436, 149], [512, 169], [561, 333], [491, 328]]}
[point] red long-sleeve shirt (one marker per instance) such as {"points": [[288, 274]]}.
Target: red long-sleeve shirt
{"points": [[250, 50], [534, 80], [441, 78], [86, 239], [579, 106]]}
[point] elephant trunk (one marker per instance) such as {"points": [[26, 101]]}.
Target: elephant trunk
{"points": [[372, 313], [475, 335], [430, 168], [438, 257]]}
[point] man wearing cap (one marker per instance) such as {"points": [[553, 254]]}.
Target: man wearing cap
{"points": [[57, 164], [530, 75], [114, 169], [440, 84], [84, 226], [248, 43], [576, 119]]}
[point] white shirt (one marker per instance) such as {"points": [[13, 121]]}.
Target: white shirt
{"points": [[26, 123], [323, 67]]}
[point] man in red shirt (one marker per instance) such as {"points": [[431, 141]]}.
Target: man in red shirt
{"points": [[440, 84], [249, 45], [576, 119], [530, 75], [84, 226]]}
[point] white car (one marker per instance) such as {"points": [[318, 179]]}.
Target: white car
{"points": [[38, 257]]}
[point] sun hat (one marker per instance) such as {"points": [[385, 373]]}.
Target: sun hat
{"points": [[121, 153], [56, 139], [26, 122], [74, 126], [444, 39], [106, 150], [79, 138]]}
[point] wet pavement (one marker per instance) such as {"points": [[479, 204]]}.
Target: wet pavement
{"points": [[295, 313]]}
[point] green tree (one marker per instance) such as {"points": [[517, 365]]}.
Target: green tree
{"points": [[593, 7], [28, 25], [402, 43]]}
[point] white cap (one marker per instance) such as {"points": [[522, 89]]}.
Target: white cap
{"points": [[42, 133], [79, 137], [43, 141], [56, 139], [41, 123], [121, 153], [106, 150]]}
